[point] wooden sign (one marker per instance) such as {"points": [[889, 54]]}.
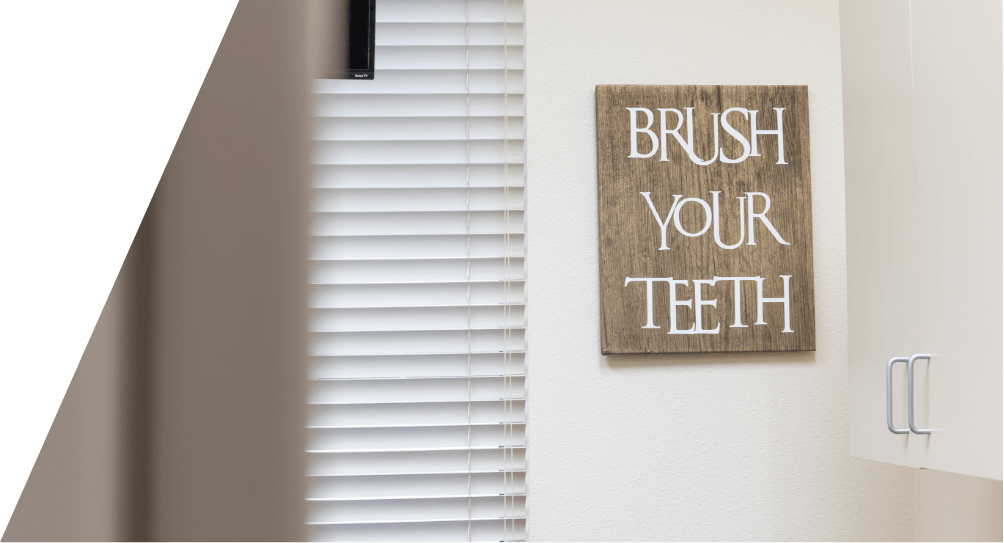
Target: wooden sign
{"points": [[705, 219]]}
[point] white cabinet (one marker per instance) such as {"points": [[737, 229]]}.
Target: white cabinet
{"points": [[923, 154]]}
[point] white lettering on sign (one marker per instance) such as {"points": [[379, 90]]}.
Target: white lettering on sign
{"points": [[658, 141], [712, 218], [698, 303]]}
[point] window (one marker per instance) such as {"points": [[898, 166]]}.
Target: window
{"points": [[417, 399]]}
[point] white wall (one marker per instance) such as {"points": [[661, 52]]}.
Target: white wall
{"points": [[742, 447], [951, 507]]}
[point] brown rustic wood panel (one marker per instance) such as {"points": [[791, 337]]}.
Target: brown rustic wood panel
{"points": [[630, 236]]}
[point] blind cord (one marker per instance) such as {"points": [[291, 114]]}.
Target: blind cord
{"points": [[467, 39], [508, 477]]}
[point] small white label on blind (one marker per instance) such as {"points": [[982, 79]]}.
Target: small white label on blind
{"points": [[417, 399]]}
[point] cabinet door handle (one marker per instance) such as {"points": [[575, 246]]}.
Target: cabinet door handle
{"points": [[888, 395], [909, 393]]}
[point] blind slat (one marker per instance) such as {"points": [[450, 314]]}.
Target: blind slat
{"points": [[413, 153], [430, 390], [366, 247], [390, 343], [445, 81], [416, 365], [418, 152], [444, 57], [428, 224], [374, 176], [415, 462], [416, 128], [450, 11], [416, 318], [408, 271], [408, 438], [481, 531], [438, 509], [444, 532], [414, 413], [406, 295], [491, 33], [418, 105], [378, 486]]}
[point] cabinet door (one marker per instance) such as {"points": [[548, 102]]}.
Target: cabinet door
{"points": [[957, 105], [923, 150], [879, 171]]}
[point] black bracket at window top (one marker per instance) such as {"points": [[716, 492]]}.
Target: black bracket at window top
{"points": [[361, 38]]}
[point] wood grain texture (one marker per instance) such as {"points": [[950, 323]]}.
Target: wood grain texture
{"points": [[630, 235]]}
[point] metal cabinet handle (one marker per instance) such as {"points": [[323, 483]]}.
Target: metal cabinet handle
{"points": [[909, 393], [888, 395]]}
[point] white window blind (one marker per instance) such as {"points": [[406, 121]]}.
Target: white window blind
{"points": [[417, 398]]}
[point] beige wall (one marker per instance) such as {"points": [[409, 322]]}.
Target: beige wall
{"points": [[76, 489], [230, 293], [184, 420], [326, 32]]}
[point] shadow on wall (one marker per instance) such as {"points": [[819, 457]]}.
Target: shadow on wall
{"points": [[185, 418], [626, 361]]}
